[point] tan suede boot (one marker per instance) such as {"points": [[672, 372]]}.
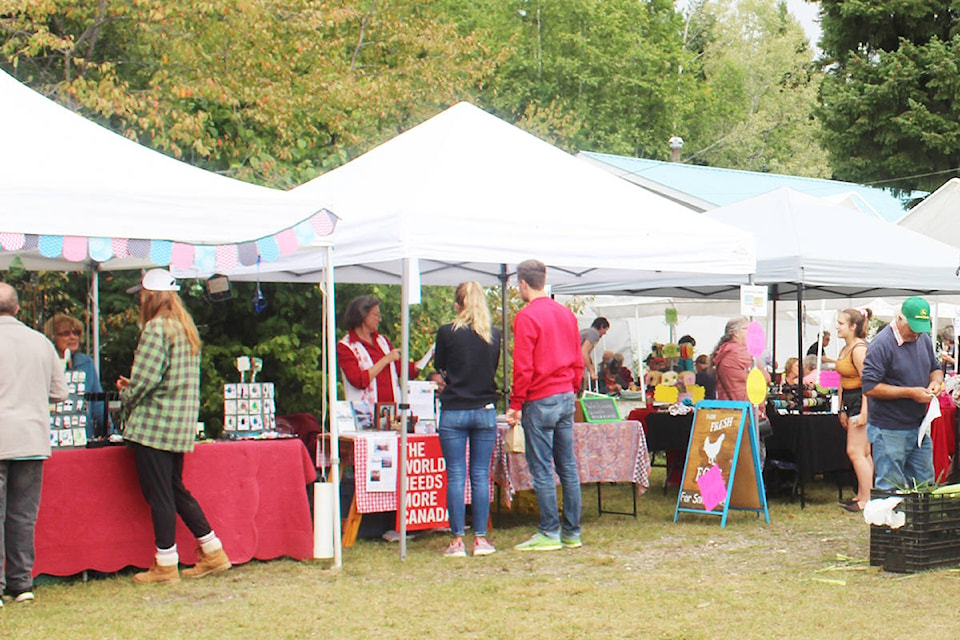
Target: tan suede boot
{"points": [[158, 574], [207, 563]]}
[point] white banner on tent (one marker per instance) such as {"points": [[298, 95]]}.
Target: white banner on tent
{"points": [[753, 300], [411, 283]]}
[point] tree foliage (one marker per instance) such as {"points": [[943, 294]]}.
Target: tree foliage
{"points": [[890, 102], [269, 91], [756, 67]]}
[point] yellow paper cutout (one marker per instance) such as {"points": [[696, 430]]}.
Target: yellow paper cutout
{"points": [[664, 393], [699, 392], [756, 386]]}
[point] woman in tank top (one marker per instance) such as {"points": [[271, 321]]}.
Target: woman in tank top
{"points": [[852, 328]]}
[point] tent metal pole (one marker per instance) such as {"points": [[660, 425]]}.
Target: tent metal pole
{"points": [[404, 407], [95, 292], [800, 340], [505, 333], [331, 380], [774, 294]]}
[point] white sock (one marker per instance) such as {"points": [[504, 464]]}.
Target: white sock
{"points": [[210, 543], [168, 557]]}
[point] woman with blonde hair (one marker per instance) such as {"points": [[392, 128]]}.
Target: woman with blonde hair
{"points": [[467, 355], [66, 333], [161, 400], [852, 328]]}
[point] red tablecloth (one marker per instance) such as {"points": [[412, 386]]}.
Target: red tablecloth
{"points": [[93, 516], [943, 434], [606, 452]]}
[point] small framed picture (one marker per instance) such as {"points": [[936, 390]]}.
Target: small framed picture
{"points": [[385, 415], [346, 418]]}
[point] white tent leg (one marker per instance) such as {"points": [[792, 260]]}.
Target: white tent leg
{"points": [[404, 407], [331, 381]]}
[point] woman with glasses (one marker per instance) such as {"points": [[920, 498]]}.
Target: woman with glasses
{"points": [[65, 332], [370, 364]]}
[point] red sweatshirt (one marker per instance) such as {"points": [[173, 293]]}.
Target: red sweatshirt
{"points": [[546, 352]]}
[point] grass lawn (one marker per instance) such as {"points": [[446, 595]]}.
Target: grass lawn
{"points": [[805, 575]]}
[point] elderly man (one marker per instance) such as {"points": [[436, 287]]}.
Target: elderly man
{"points": [[31, 377], [901, 377]]}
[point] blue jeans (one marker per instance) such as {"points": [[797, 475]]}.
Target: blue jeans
{"points": [[897, 460], [548, 434], [479, 426]]}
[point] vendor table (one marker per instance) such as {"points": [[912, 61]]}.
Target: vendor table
{"points": [[670, 434], [815, 442], [943, 433], [606, 452], [353, 451], [93, 516], [818, 444]]}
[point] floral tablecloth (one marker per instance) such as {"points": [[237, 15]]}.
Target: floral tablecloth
{"points": [[606, 452]]}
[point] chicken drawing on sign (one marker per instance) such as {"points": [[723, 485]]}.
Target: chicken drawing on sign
{"points": [[713, 448]]}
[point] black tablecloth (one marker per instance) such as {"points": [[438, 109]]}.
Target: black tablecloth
{"points": [[668, 433], [816, 442]]}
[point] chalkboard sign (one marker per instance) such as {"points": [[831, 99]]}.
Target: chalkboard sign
{"points": [[600, 409], [722, 469]]}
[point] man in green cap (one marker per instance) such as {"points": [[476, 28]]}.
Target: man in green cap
{"points": [[901, 377]]}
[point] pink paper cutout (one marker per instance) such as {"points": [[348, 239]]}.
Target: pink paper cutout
{"points": [[712, 489], [756, 339]]}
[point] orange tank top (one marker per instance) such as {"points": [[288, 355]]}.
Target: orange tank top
{"points": [[849, 376]]}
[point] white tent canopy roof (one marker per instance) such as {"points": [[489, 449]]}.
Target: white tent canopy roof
{"points": [[465, 192], [833, 250], [63, 175], [936, 215]]}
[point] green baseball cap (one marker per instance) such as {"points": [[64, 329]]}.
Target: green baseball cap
{"points": [[917, 312]]}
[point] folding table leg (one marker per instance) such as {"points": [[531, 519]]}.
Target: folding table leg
{"points": [[351, 525]]}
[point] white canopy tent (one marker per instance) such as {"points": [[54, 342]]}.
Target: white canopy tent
{"points": [[64, 176], [466, 192], [76, 196], [809, 247], [464, 195], [936, 215], [829, 250]]}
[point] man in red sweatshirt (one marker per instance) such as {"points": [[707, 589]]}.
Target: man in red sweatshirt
{"points": [[547, 368]]}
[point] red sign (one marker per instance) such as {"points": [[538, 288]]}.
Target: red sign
{"points": [[426, 506]]}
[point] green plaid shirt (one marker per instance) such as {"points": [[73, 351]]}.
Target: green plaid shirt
{"points": [[162, 402]]}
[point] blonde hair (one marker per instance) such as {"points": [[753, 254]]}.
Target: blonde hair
{"points": [[473, 310], [60, 322], [167, 306]]}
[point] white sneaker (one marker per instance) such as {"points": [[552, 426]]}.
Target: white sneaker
{"points": [[24, 596]]}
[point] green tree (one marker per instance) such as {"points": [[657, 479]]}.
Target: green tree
{"points": [[271, 92], [890, 101], [585, 74], [759, 90]]}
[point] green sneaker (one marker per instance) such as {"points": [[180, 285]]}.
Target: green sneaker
{"points": [[539, 542], [570, 542]]}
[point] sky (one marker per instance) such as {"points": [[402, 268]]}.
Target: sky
{"points": [[806, 13]]}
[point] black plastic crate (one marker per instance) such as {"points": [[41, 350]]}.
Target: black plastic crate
{"points": [[929, 539]]}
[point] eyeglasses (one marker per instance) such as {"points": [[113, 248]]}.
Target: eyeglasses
{"points": [[70, 332]]}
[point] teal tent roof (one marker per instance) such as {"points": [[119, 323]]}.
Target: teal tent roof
{"points": [[706, 188]]}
